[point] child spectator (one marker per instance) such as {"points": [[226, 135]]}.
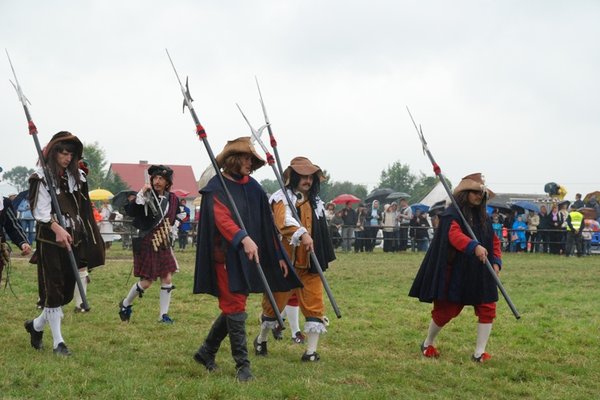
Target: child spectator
{"points": [[586, 236]]}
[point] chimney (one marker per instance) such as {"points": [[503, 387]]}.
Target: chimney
{"points": [[143, 162]]}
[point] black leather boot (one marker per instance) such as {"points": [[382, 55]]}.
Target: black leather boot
{"points": [[207, 352], [236, 325]]}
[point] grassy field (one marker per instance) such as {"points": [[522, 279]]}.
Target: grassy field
{"points": [[370, 353]]}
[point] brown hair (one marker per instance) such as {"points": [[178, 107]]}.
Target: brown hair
{"points": [[73, 166], [233, 163], [472, 213]]}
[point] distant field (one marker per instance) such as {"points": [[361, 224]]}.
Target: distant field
{"points": [[370, 353]]}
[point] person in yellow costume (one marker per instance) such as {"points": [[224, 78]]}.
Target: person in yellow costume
{"points": [[302, 183]]}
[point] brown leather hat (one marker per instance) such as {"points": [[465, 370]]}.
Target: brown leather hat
{"points": [[63, 137], [241, 145], [302, 166], [475, 182]]}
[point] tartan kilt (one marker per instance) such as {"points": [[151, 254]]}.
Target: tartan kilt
{"points": [[151, 265]]}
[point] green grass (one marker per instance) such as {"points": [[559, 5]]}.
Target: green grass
{"points": [[370, 353]]}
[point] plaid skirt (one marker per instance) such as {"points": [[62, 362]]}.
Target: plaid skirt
{"points": [[151, 265]]}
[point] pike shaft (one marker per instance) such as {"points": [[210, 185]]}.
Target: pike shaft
{"points": [[438, 171]]}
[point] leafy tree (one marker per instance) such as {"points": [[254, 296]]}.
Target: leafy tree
{"points": [[329, 188], [18, 177], [98, 176], [399, 178], [422, 187], [270, 185]]}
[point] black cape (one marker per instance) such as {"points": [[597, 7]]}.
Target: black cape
{"points": [[244, 278], [469, 281]]}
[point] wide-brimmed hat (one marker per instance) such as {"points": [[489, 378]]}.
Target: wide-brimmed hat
{"points": [[302, 166], [241, 145], [64, 137], [161, 170], [474, 182]]}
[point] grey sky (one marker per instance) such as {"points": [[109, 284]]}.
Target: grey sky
{"points": [[509, 88]]}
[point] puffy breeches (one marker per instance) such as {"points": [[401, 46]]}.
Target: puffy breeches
{"points": [[310, 297], [443, 311]]}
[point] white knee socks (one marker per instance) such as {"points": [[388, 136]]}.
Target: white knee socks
{"points": [[483, 334], [165, 298], [135, 290], [54, 317], [83, 274], [40, 322], [292, 316], [312, 340], [432, 333]]}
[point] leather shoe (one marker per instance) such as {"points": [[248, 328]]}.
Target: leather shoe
{"points": [[36, 337], [62, 350]]}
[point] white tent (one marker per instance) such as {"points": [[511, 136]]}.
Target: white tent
{"points": [[7, 189], [436, 194]]}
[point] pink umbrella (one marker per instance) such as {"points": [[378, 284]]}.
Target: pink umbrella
{"points": [[345, 198]]}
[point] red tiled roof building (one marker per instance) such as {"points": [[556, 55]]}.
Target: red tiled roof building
{"points": [[133, 176]]}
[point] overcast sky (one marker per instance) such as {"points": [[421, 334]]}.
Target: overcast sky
{"points": [[508, 88]]}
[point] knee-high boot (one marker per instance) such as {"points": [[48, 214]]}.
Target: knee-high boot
{"points": [[207, 352], [236, 325]]}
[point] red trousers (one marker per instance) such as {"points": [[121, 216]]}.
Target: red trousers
{"points": [[229, 303], [443, 311]]}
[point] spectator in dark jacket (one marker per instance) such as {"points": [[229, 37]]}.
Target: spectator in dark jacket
{"points": [[544, 230], [372, 222], [419, 231], [349, 217]]}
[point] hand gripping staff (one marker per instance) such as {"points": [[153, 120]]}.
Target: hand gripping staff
{"points": [[187, 102], [438, 173], [271, 162], [49, 180]]}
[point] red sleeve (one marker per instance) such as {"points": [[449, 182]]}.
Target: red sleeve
{"points": [[457, 237], [224, 221], [497, 248]]}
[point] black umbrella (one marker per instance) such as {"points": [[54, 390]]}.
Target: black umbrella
{"points": [[501, 206], [397, 195], [521, 206], [378, 194], [120, 198]]}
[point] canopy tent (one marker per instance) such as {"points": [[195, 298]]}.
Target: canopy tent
{"points": [[435, 195]]}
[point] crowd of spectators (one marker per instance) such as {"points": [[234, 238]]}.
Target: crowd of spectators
{"points": [[562, 230]]}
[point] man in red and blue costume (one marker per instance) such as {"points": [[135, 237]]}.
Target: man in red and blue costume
{"points": [[226, 254], [453, 273]]}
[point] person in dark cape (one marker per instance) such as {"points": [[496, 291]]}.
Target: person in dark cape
{"points": [[154, 211], [55, 272], [453, 273], [227, 256], [302, 180]]}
